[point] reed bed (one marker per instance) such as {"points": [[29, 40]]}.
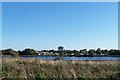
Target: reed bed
{"points": [[32, 68]]}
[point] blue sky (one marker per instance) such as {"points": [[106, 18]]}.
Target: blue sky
{"points": [[49, 25], [0, 25]]}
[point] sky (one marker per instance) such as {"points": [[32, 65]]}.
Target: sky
{"points": [[0, 25], [47, 25]]}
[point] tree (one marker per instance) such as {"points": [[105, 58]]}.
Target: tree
{"points": [[114, 52], [62, 53], [105, 52], [76, 53], [91, 52], [8, 52], [51, 50], [28, 52], [84, 51], [98, 51]]}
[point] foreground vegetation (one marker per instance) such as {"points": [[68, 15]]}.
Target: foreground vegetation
{"points": [[40, 69]]}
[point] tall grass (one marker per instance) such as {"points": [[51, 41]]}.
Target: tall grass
{"points": [[41, 69]]}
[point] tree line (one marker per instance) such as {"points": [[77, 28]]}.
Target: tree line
{"points": [[83, 52]]}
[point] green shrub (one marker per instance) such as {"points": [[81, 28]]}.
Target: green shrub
{"points": [[15, 54], [41, 76], [6, 68], [58, 58]]}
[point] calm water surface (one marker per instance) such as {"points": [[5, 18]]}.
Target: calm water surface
{"points": [[74, 58]]}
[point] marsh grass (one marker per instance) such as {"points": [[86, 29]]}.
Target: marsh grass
{"points": [[41, 69]]}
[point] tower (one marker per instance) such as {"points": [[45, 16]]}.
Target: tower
{"points": [[60, 48]]}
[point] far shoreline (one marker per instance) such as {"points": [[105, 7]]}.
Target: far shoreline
{"points": [[62, 56]]}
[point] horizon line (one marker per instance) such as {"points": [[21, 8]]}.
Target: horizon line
{"points": [[64, 49]]}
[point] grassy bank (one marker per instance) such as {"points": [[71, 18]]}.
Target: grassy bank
{"points": [[40, 69]]}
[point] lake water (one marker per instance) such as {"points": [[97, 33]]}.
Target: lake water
{"points": [[74, 58]]}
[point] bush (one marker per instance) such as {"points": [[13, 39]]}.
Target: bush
{"points": [[58, 58], [15, 54]]}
